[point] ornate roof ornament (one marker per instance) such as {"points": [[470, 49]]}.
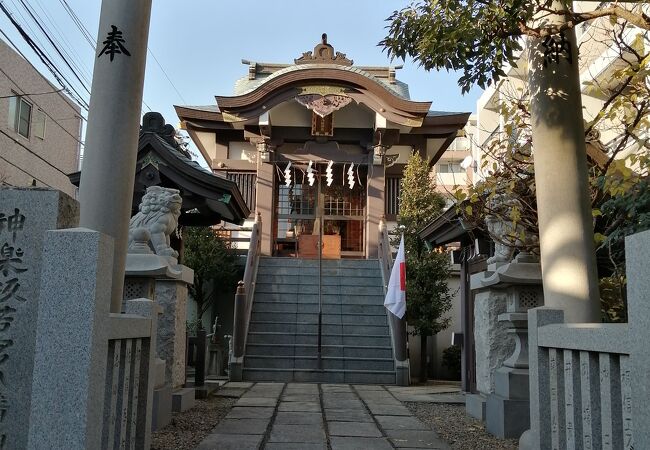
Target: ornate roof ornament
{"points": [[324, 54], [323, 105]]}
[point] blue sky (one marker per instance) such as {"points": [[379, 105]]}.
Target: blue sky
{"points": [[200, 44]]}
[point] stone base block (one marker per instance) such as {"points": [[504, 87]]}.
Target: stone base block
{"points": [[402, 376], [235, 371], [182, 399], [162, 407], [511, 383], [159, 371], [507, 418], [475, 406]]}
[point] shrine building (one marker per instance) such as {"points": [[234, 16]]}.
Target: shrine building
{"points": [[319, 145]]}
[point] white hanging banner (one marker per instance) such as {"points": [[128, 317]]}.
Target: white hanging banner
{"points": [[396, 294]]}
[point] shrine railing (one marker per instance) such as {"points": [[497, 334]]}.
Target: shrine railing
{"points": [[397, 325], [244, 304]]}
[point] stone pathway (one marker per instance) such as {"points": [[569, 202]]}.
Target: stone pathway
{"points": [[296, 416]]}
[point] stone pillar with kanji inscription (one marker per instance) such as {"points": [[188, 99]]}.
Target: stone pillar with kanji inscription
{"points": [[25, 215], [564, 209], [107, 176]]}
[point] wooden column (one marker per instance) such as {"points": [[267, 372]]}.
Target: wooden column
{"points": [[264, 204], [374, 206]]}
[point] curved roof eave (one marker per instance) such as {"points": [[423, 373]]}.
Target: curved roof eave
{"points": [[309, 74]]}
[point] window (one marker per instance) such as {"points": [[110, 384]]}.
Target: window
{"points": [[450, 167], [38, 124], [20, 114], [246, 182], [391, 195]]}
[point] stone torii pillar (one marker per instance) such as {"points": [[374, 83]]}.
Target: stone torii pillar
{"points": [[566, 233], [107, 175]]}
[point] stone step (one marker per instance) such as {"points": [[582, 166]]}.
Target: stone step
{"points": [[312, 327], [326, 271], [291, 307], [349, 351], [281, 337], [326, 280], [311, 362], [326, 263], [312, 318], [277, 288], [334, 299], [320, 376]]}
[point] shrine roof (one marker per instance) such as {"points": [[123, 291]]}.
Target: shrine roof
{"points": [[207, 198], [245, 84]]}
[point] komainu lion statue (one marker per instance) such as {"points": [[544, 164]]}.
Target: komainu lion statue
{"points": [[157, 219]]}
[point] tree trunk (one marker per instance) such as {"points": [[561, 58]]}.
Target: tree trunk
{"points": [[423, 358]]}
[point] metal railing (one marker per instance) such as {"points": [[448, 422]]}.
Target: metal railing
{"points": [[397, 325], [244, 303]]}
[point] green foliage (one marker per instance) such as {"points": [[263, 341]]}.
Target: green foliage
{"points": [[612, 299], [451, 360], [213, 262], [478, 37], [619, 169], [472, 36], [427, 293]]}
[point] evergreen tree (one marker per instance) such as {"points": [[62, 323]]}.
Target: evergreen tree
{"points": [[214, 264], [427, 272]]}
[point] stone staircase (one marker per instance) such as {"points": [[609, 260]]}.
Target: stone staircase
{"points": [[283, 332]]}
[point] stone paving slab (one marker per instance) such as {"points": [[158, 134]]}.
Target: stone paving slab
{"points": [[257, 401], [343, 404], [416, 439], [298, 418], [294, 446], [242, 426], [231, 442], [301, 398], [400, 423], [353, 429], [388, 410], [369, 387], [298, 434], [250, 412], [299, 406], [359, 443], [347, 415], [238, 384], [276, 416]]}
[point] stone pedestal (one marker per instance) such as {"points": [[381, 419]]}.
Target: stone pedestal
{"points": [[506, 291], [167, 284], [25, 215]]}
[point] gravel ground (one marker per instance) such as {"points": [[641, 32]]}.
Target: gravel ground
{"points": [[461, 431], [187, 429]]}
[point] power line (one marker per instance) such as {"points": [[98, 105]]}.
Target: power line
{"points": [[36, 93], [166, 76], [45, 59], [56, 48], [23, 170], [33, 153]]}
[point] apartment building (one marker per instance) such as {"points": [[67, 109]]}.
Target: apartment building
{"points": [[600, 57], [41, 134]]}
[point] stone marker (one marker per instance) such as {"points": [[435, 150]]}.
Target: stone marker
{"points": [[68, 390], [25, 215]]}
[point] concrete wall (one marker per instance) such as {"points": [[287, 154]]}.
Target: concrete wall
{"points": [[48, 160]]}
